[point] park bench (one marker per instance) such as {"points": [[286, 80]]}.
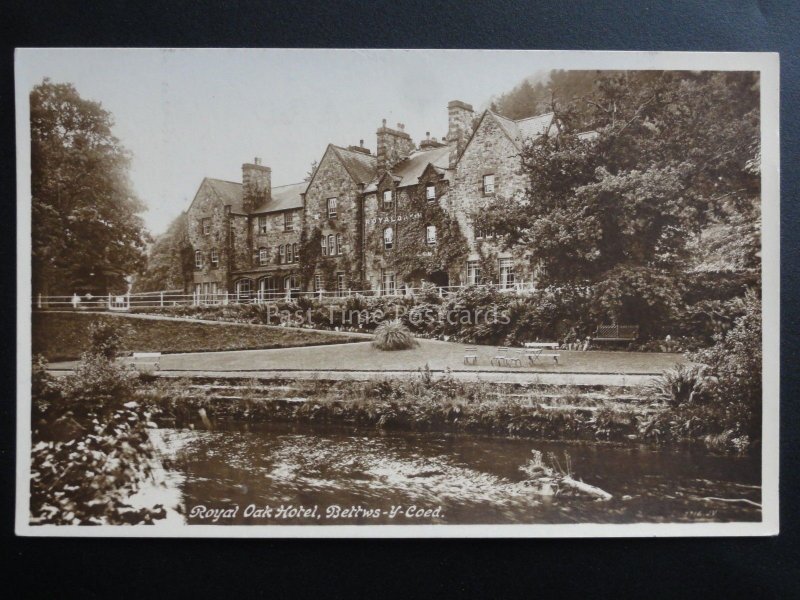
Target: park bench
{"points": [[536, 350], [470, 355], [147, 360], [616, 333]]}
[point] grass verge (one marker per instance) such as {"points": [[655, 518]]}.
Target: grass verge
{"points": [[65, 336]]}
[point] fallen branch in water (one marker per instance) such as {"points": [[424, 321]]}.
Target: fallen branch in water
{"points": [[745, 500], [585, 488]]}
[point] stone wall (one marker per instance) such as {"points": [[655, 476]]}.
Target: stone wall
{"points": [[490, 152], [331, 180], [207, 205]]}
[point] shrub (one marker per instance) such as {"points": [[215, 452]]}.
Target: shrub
{"points": [[393, 335], [106, 337], [682, 384]]}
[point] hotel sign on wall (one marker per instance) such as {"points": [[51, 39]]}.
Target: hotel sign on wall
{"points": [[389, 219]]}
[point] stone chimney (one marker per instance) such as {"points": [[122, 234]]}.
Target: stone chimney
{"points": [[459, 127], [360, 148], [429, 143], [394, 145], [256, 184]]}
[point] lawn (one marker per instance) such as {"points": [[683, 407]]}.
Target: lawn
{"points": [[64, 336], [436, 355]]}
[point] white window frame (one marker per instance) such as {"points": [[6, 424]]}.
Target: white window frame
{"points": [[263, 226], [388, 205], [388, 283], [295, 252], [288, 221], [331, 207], [214, 257], [289, 253], [240, 285], [198, 259], [506, 270], [388, 244], [473, 272], [339, 244], [430, 192], [263, 256], [205, 225], [430, 239], [318, 283], [324, 245], [282, 254], [340, 284], [488, 184], [332, 245]]}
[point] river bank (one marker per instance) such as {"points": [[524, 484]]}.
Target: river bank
{"points": [[426, 404]]}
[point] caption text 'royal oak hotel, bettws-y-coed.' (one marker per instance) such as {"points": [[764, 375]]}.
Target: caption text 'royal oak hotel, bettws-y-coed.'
{"points": [[379, 222]]}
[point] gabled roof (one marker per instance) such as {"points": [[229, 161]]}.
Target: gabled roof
{"points": [[359, 165], [284, 197], [229, 192], [408, 171], [524, 129]]}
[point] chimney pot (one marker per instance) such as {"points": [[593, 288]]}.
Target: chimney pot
{"points": [[384, 122], [256, 161], [361, 143]]}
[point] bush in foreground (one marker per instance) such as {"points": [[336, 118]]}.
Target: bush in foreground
{"points": [[393, 335]]}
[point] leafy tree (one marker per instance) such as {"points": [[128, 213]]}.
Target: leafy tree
{"points": [[673, 155], [87, 234], [170, 260]]}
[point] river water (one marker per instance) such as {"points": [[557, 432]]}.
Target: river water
{"points": [[294, 474]]}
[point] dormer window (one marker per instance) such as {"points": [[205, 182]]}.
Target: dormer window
{"points": [[331, 208], [430, 235], [488, 185], [206, 225], [388, 238], [388, 200], [430, 192], [288, 221], [263, 256]]}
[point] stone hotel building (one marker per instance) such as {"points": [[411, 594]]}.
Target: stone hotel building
{"points": [[363, 221]]}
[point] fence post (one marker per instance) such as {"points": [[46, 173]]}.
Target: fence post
{"points": [[39, 301], [109, 302], [161, 300], [225, 298]]}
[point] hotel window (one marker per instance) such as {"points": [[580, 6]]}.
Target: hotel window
{"points": [[262, 224], [324, 245], [340, 284], [214, 257], [289, 253], [488, 185], [388, 283], [206, 224], [282, 254], [388, 238], [430, 193], [243, 288], [331, 208], [338, 243], [430, 235], [506, 273], [266, 288], [388, 200], [331, 245], [473, 272], [294, 252], [318, 283], [288, 221], [198, 259], [263, 256]]}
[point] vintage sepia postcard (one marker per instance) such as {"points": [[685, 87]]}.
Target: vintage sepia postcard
{"points": [[397, 293]]}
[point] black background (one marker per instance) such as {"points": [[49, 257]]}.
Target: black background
{"points": [[765, 567]]}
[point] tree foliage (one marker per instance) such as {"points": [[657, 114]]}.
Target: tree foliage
{"points": [[674, 156], [87, 234], [170, 260]]}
